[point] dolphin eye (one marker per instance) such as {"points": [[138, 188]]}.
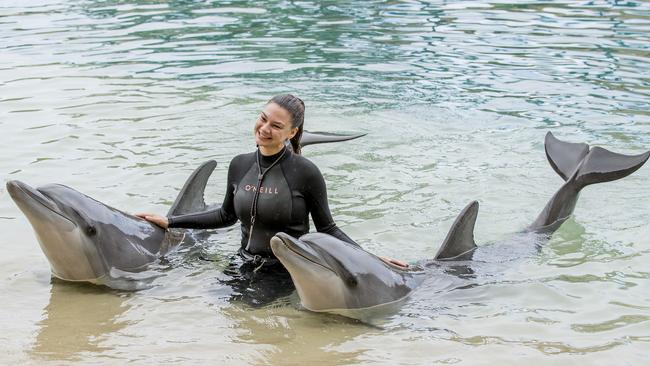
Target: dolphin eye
{"points": [[90, 230], [351, 281]]}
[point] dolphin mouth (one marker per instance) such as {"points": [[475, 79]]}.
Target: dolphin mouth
{"points": [[297, 247], [24, 195]]}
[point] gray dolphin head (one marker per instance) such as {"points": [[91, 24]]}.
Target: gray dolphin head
{"points": [[331, 275], [83, 239]]}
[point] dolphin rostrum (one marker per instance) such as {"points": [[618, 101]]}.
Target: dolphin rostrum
{"points": [[333, 276], [85, 240]]}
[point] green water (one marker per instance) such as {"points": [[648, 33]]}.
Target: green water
{"points": [[123, 99]]}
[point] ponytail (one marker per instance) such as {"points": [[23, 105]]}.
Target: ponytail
{"points": [[296, 107], [295, 141]]}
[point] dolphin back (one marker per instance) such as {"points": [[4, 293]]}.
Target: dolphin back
{"points": [[578, 164]]}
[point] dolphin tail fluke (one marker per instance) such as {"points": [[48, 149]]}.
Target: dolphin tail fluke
{"points": [[311, 138], [564, 157], [580, 166], [602, 165], [459, 243], [595, 165], [190, 199]]}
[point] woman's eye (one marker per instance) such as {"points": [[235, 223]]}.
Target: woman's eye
{"points": [[278, 127]]}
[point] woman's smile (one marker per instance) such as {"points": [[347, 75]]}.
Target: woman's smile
{"points": [[272, 129]]}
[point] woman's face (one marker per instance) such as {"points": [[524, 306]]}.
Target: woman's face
{"points": [[273, 127]]}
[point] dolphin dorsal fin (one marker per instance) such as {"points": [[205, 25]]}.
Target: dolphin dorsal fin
{"points": [[311, 138], [602, 165], [564, 157], [190, 199], [459, 243]]}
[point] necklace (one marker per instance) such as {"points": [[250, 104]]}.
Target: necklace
{"points": [[260, 176]]}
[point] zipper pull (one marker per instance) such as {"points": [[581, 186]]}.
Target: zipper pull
{"points": [[250, 233]]}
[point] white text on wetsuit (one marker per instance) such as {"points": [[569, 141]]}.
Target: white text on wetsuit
{"points": [[269, 190]]}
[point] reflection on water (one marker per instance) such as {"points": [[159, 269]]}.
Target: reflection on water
{"points": [[246, 284], [77, 320], [257, 286], [293, 337]]}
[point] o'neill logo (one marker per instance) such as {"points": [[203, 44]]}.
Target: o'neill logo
{"points": [[269, 190]]}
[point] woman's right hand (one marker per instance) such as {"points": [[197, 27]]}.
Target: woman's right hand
{"points": [[156, 219], [394, 261]]}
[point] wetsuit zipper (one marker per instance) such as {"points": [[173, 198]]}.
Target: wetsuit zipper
{"points": [[260, 178]]}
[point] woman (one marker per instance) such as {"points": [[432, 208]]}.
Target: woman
{"points": [[270, 190]]}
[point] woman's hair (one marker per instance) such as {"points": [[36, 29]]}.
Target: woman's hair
{"points": [[296, 107]]}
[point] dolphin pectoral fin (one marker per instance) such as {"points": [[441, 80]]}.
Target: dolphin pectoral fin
{"points": [[311, 138], [602, 165], [564, 157], [190, 199], [459, 243]]}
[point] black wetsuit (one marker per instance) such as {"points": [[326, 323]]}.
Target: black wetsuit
{"points": [[291, 190]]}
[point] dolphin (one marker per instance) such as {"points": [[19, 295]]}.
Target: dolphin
{"points": [[578, 164], [336, 277], [85, 240]]}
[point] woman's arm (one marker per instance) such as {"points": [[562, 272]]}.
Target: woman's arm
{"points": [[317, 205], [211, 219], [320, 213], [216, 218]]}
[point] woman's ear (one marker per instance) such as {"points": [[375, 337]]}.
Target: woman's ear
{"points": [[293, 132]]}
